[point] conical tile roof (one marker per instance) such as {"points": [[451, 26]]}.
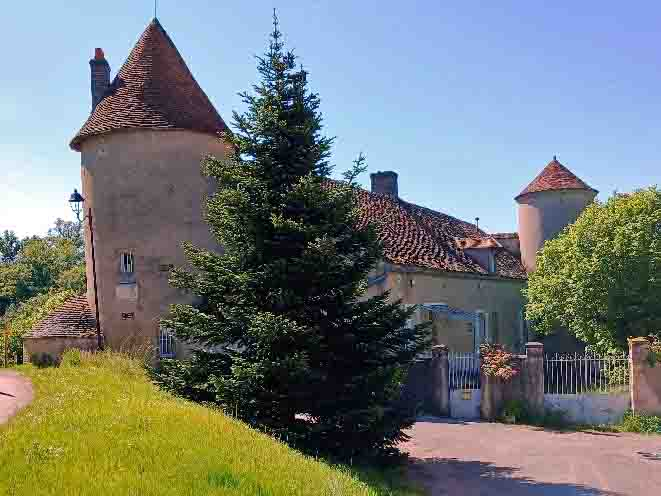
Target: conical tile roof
{"points": [[154, 89], [555, 176]]}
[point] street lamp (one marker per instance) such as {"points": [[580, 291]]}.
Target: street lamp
{"points": [[76, 201]]}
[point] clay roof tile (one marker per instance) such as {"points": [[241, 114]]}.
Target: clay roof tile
{"points": [[154, 89], [555, 176], [74, 319]]}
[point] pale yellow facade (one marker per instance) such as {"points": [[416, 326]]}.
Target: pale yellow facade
{"points": [[497, 302]]}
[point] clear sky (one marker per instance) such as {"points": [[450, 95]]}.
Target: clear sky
{"points": [[467, 101]]}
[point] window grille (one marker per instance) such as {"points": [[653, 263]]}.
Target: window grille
{"points": [[166, 344], [127, 263]]}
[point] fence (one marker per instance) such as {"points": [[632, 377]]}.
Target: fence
{"points": [[464, 370], [577, 374]]}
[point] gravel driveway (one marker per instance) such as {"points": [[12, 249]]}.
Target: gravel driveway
{"points": [[15, 393], [475, 458]]}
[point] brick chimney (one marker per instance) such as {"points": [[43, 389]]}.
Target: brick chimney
{"points": [[100, 70], [385, 183]]}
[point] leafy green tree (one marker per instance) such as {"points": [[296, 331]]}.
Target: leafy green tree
{"points": [[41, 264], [68, 230], [9, 247], [22, 317], [284, 337], [601, 277]]}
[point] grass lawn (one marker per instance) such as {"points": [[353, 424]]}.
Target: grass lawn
{"points": [[101, 428]]}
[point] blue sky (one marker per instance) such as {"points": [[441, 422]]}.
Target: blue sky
{"points": [[467, 101]]}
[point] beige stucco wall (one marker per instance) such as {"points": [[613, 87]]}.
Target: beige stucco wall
{"points": [[543, 215], [146, 192], [499, 299], [55, 346]]}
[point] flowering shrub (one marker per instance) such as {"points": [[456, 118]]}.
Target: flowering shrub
{"points": [[499, 363], [655, 351]]}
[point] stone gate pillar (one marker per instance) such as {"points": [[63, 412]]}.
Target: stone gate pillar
{"points": [[533, 378], [644, 378], [440, 367]]}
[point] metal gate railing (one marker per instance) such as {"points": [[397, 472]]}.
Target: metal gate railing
{"points": [[567, 373], [464, 370]]}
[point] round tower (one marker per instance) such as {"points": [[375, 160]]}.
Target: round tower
{"points": [[141, 149], [552, 201]]}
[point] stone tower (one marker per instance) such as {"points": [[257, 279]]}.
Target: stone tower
{"points": [[141, 149], [552, 201]]}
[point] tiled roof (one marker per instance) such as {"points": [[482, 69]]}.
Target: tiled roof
{"points": [[418, 236], [73, 319], [555, 176], [505, 235], [154, 89], [475, 243]]}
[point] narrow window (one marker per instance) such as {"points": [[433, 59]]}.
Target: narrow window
{"points": [[492, 262], [166, 344], [127, 263]]}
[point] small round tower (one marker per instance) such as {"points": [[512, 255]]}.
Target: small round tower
{"points": [[141, 149], [552, 201]]}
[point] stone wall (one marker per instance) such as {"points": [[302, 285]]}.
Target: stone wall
{"points": [[50, 349], [527, 386], [589, 408], [645, 378]]}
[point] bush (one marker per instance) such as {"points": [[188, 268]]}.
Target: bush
{"points": [[635, 422], [516, 409], [499, 363], [42, 360], [71, 358]]}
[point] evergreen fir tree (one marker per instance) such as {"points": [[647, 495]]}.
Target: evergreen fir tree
{"points": [[284, 337]]}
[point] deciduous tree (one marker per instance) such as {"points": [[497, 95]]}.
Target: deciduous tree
{"points": [[601, 278]]}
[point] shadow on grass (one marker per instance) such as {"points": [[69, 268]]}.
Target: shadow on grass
{"points": [[390, 480], [450, 476]]}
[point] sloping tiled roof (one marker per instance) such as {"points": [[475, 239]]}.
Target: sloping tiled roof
{"points": [[555, 176], [154, 89], [73, 319], [418, 236]]}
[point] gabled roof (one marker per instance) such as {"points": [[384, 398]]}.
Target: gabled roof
{"points": [[154, 89], [72, 319], [555, 176], [418, 236]]}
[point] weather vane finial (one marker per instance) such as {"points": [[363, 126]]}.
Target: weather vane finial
{"points": [[155, 7]]}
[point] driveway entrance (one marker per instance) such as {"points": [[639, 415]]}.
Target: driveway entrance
{"points": [[15, 393], [475, 458]]}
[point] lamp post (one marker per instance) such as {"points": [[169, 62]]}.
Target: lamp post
{"points": [[76, 202]]}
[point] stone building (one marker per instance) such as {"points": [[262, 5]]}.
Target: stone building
{"points": [[140, 151]]}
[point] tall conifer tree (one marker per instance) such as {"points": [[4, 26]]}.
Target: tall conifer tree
{"points": [[283, 333]]}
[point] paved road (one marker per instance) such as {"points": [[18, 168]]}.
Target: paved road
{"points": [[15, 393], [473, 458]]}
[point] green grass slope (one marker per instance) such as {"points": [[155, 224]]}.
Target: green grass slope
{"points": [[101, 428]]}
